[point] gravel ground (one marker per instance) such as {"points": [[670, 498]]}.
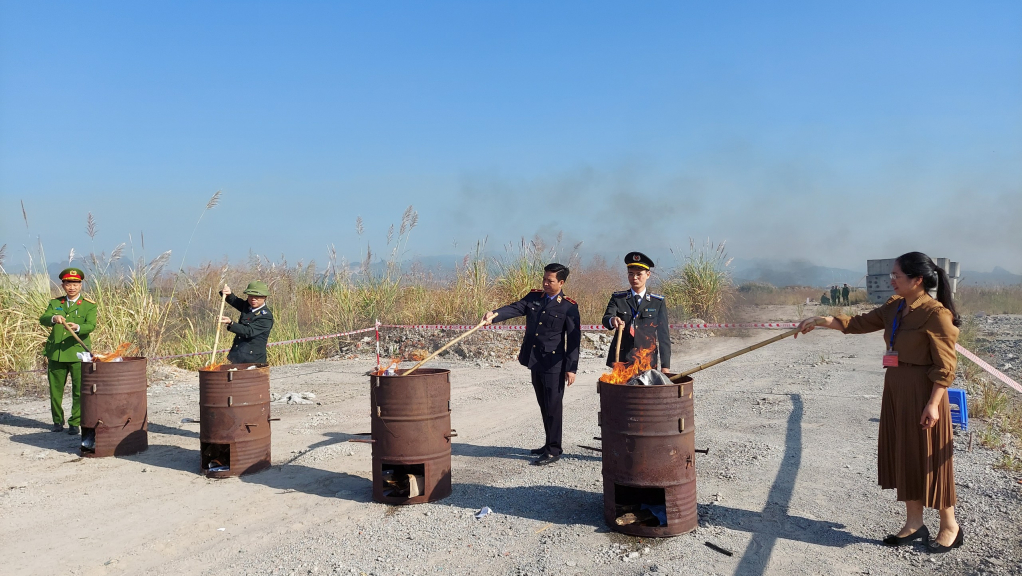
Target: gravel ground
{"points": [[789, 484]]}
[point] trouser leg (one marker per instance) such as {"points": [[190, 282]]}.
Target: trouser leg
{"points": [[75, 368], [56, 373], [537, 386], [551, 386]]}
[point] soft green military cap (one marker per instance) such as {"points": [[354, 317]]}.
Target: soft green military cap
{"points": [[71, 275], [257, 288]]}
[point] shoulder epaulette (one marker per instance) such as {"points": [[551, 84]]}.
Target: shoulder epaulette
{"points": [[657, 296], [570, 300], [621, 293], [89, 301], [535, 290]]}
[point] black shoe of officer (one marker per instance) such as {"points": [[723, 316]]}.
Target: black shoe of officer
{"points": [[538, 451], [545, 459], [57, 428], [72, 430]]}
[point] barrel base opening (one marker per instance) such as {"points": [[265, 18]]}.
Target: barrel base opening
{"points": [[403, 480], [640, 506], [88, 440], [216, 457]]}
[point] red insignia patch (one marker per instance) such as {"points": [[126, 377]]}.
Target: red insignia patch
{"points": [[570, 300]]}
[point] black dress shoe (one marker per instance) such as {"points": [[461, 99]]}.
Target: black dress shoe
{"points": [[545, 460], [538, 451], [940, 548], [57, 428], [894, 540], [72, 430]]}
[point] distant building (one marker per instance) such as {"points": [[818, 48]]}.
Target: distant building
{"points": [[878, 278]]}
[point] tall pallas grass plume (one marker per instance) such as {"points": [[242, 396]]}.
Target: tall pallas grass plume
{"points": [[702, 283]]}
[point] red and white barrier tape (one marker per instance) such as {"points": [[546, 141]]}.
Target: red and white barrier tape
{"points": [[585, 327], [993, 371], [592, 327]]}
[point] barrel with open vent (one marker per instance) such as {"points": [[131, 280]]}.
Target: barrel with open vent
{"points": [[649, 466], [411, 436], [234, 419], [114, 408]]}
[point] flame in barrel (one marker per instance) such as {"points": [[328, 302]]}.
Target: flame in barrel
{"points": [[623, 372], [118, 353]]}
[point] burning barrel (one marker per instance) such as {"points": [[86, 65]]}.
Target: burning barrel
{"points": [[411, 432], [234, 419], [649, 467], [114, 408]]}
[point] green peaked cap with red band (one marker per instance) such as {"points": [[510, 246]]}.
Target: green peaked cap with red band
{"points": [[71, 275]]}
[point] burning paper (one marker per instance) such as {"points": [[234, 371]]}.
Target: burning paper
{"points": [[624, 372], [650, 378], [116, 356]]}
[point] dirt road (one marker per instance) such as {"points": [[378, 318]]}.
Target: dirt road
{"points": [[789, 484]]}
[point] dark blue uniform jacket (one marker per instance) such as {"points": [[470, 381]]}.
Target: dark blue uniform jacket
{"points": [[251, 332], [553, 331], [651, 326]]}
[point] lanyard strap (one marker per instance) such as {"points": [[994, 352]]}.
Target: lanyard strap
{"points": [[635, 309], [897, 322]]}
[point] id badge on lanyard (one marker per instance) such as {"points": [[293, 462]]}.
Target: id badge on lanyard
{"points": [[891, 355]]}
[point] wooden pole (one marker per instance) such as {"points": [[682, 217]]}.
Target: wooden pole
{"points": [[620, 335], [679, 376], [76, 336], [216, 339], [445, 347]]}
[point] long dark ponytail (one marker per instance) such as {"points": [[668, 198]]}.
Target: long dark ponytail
{"points": [[919, 265]]}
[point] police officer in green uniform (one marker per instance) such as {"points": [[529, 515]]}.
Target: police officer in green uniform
{"points": [[835, 295], [68, 313], [845, 291], [252, 330], [643, 315]]}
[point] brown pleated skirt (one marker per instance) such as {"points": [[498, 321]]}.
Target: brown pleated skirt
{"points": [[917, 463]]}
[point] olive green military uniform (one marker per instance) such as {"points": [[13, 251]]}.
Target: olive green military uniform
{"points": [[61, 351], [845, 291]]}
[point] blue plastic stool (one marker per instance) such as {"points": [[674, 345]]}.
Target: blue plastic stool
{"points": [[959, 407]]}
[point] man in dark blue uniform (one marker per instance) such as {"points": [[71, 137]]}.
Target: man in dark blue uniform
{"points": [[549, 350], [643, 315], [252, 329]]}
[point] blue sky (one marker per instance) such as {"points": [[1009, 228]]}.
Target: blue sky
{"points": [[830, 132]]}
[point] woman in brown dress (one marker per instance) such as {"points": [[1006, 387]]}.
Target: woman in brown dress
{"points": [[916, 444]]}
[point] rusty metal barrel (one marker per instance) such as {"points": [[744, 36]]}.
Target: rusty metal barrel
{"points": [[234, 419], [411, 433], [114, 408], [649, 466]]}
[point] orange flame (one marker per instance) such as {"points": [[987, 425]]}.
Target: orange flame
{"points": [[393, 362], [212, 367], [624, 372], [118, 352], [418, 354]]}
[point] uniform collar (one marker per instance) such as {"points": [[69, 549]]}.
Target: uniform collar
{"points": [[257, 309], [69, 301], [634, 293], [920, 301]]}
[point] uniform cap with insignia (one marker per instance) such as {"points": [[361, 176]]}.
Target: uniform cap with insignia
{"points": [[639, 260], [71, 275], [257, 288]]}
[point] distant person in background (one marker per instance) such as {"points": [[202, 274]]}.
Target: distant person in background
{"points": [[915, 441], [252, 330], [844, 293], [824, 300], [835, 295]]}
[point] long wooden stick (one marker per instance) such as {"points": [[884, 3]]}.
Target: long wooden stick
{"points": [[76, 337], [779, 337], [216, 339], [620, 335], [445, 347]]}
